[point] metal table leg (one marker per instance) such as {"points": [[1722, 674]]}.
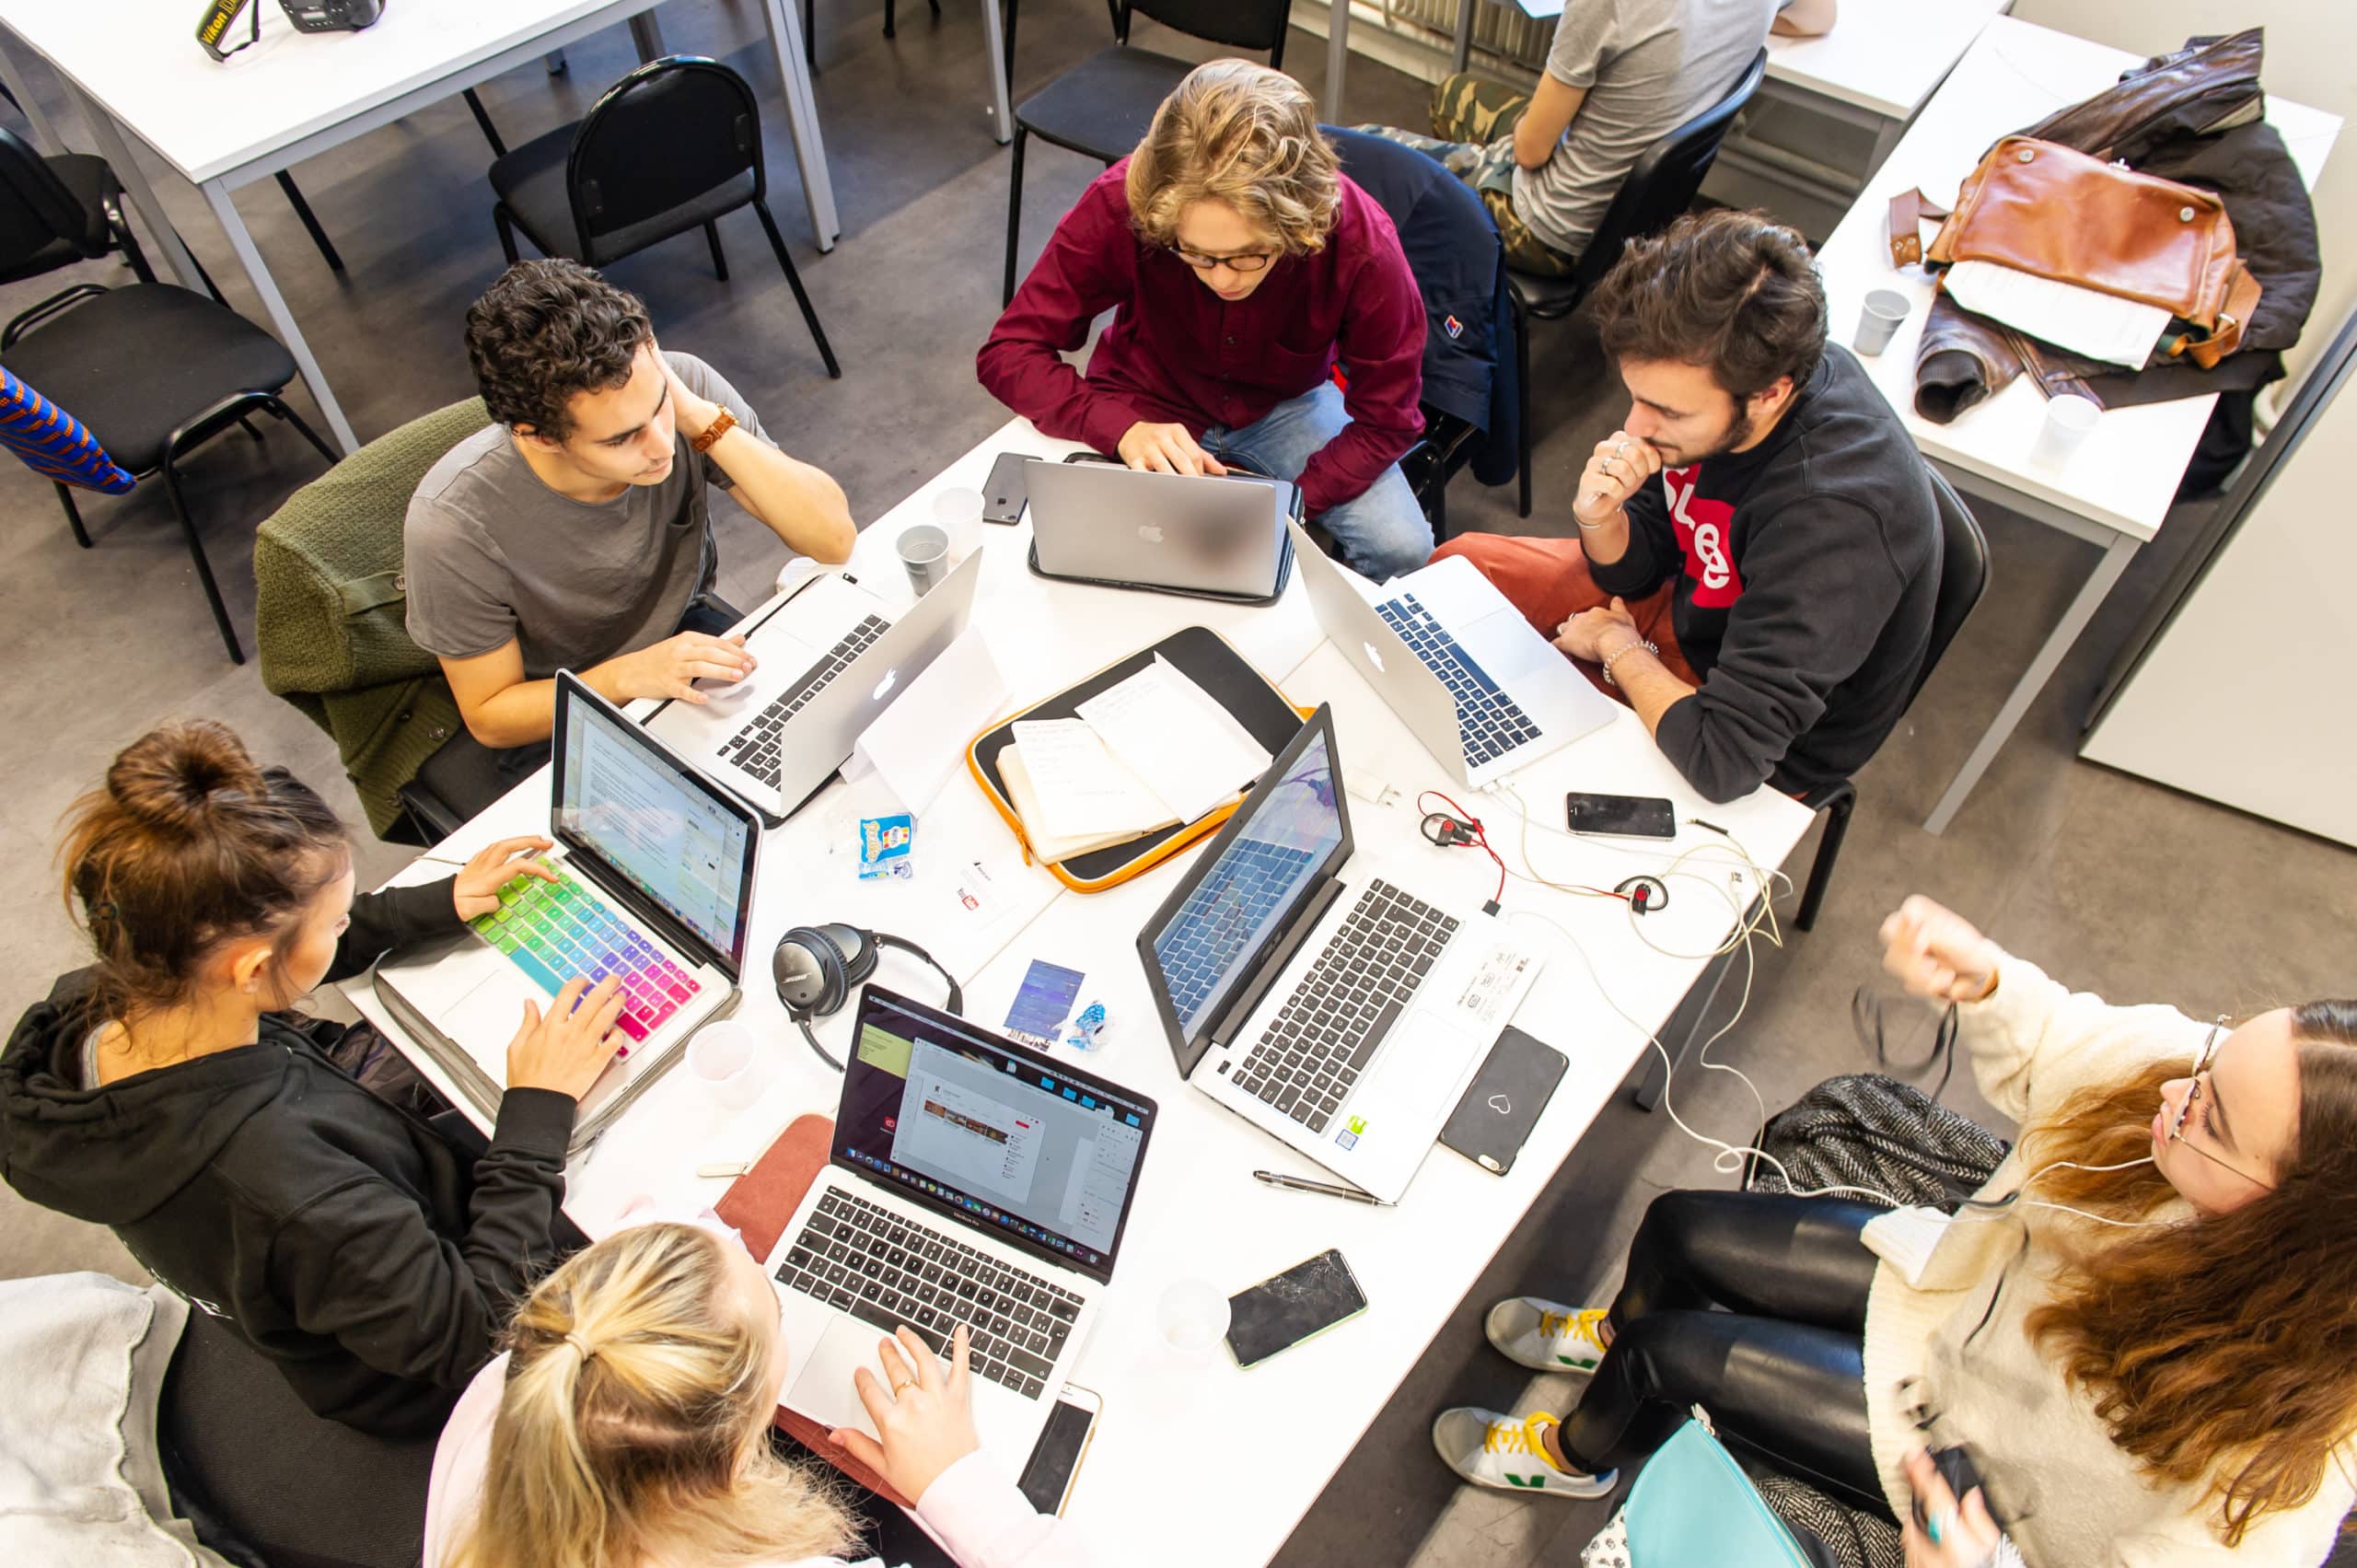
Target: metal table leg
{"points": [[2116, 557], [45, 138], [1338, 55], [116, 150], [646, 34], [1461, 55], [225, 209], [995, 46], [802, 119]]}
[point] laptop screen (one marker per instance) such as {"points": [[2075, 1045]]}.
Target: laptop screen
{"points": [[654, 821], [1283, 842], [1011, 1141]]}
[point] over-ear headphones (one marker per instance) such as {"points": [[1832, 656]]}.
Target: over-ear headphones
{"points": [[816, 967]]}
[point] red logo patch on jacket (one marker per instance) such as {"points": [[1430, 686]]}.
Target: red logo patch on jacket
{"points": [[1702, 528]]}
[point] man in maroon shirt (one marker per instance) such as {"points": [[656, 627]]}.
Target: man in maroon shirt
{"points": [[1241, 267]]}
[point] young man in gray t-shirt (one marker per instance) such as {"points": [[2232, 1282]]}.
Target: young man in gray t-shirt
{"points": [[573, 532], [1620, 74]]}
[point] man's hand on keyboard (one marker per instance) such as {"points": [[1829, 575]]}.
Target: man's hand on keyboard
{"points": [[475, 890], [925, 1412], [671, 666], [566, 1049]]}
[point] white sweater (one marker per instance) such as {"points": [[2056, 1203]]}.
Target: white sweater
{"points": [[2072, 1498]]}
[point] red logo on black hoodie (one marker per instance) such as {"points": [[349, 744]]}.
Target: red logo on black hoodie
{"points": [[1702, 527]]}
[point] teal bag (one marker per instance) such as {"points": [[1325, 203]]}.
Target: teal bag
{"points": [[1693, 1508]]}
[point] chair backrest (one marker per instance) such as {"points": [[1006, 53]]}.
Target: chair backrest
{"points": [[36, 209], [1964, 573], [1664, 182], [1239, 24], [662, 137], [332, 604]]}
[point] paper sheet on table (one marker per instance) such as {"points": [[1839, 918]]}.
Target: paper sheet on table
{"points": [[2100, 326], [1047, 849], [1083, 790], [1187, 748]]}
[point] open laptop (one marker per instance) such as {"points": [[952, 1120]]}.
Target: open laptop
{"points": [[655, 883], [1456, 662], [1192, 533], [1336, 1009], [832, 657], [971, 1180]]}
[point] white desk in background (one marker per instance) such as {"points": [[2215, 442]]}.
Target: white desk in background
{"points": [[1875, 69], [136, 70], [1197, 1214], [2116, 490]]}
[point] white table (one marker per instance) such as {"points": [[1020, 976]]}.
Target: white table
{"points": [[136, 71], [1198, 1212], [2116, 490]]}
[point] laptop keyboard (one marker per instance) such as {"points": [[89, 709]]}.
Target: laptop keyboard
{"points": [[1491, 723], [1327, 1032], [754, 748], [887, 1270], [1221, 916], [554, 931]]}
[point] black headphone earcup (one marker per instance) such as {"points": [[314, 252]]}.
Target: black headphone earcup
{"points": [[808, 967], [855, 951]]}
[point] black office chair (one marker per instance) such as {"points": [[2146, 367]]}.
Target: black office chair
{"points": [[1101, 107], [1450, 441], [1963, 575], [56, 210], [154, 371], [1661, 185], [674, 146]]}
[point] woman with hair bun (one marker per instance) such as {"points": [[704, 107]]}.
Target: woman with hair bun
{"points": [[628, 1426], [170, 1091]]}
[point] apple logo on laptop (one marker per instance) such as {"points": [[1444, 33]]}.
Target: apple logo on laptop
{"points": [[1148, 532], [1372, 656], [890, 677]]}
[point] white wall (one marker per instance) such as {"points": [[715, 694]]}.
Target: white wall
{"points": [[2310, 47]]}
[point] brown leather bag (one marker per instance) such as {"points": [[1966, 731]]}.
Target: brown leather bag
{"points": [[2043, 208]]}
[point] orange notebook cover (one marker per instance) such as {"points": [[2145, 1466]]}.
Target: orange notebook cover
{"points": [[758, 1204]]}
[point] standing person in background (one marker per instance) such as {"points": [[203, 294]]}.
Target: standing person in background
{"points": [[1243, 268], [171, 1091], [1620, 76]]}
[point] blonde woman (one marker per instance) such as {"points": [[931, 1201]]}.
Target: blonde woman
{"points": [[627, 1427], [1241, 266]]}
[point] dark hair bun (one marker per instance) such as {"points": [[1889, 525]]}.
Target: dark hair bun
{"points": [[175, 779]]}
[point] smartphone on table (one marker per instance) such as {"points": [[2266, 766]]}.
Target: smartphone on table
{"points": [[1063, 1444], [1627, 815], [1300, 1304], [1005, 491]]}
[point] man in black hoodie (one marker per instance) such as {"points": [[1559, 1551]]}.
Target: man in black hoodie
{"points": [[1758, 547], [165, 1094]]}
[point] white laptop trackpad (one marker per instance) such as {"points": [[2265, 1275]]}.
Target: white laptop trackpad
{"points": [[823, 1389], [1505, 645]]}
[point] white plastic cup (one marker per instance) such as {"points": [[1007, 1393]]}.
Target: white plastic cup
{"points": [[925, 551], [957, 512], [2068, 418], [727, 1061], [1878, 320], [1192, 1316]]}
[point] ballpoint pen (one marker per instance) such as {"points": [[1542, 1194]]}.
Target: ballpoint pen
{"points": [[1296, 1184]]}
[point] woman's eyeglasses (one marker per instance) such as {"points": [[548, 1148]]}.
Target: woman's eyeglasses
{"points": [[1253, 262], [2203, 1061]]}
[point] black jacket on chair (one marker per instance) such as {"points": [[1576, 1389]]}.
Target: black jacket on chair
{"points": [[342, 1237], [1452, 246]]}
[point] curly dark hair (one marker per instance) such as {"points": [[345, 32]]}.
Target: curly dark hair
{"points": [[1733, 292], [545, 331]]}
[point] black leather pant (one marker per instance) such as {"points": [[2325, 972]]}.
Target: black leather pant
{"points": [[1780, 1371]]}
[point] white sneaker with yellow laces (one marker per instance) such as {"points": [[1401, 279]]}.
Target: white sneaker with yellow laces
{"points": [[1504, 1452], [1546, 1336]]}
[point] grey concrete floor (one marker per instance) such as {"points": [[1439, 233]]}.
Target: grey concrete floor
{"points": [[2114, 884]]}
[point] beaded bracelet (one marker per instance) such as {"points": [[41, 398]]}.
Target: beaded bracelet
{"points": [[1626, 649]]}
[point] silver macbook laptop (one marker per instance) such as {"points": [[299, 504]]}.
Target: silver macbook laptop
{"points": [[654, 885], [831, 658], [1201, 534], [970, 1181], [1339, 1010], [1456, 662]]}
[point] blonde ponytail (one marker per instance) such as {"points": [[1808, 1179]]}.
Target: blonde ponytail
{"points": [[634, 1424]]}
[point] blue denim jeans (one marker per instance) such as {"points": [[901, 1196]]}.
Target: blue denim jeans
{"points": [[1382, 532]]}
